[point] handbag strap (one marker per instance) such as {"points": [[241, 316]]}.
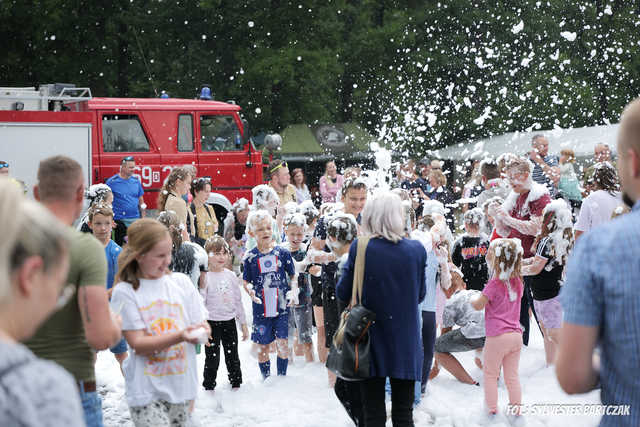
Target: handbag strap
{"points": [[358, 273]]}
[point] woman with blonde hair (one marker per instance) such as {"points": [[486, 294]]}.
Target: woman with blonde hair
{"points": [[394, 284], [34, 261], [163, 316], [170, 198]]}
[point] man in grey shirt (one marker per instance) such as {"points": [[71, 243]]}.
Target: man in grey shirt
{"points": [[545, 166]]}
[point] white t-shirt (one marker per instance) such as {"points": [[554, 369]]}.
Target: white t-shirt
{"points": [[160, 306], [596, 209]]}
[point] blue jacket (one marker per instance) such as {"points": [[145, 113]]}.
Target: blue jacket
{"points": [[394, 285]]}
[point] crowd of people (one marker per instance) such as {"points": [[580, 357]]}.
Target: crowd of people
{"points": [[527, 243]]}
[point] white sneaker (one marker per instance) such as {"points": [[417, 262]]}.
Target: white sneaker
{"points": [[516, 420]]}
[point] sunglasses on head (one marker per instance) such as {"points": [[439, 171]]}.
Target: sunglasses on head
{"points": [[128, 159], [202, 179], [281, 165], [4, 165]]}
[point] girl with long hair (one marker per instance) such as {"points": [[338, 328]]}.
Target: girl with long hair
{"points": [[163, 316]]}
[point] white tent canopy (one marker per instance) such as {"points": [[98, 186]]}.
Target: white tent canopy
{"points": [[580, 140]]}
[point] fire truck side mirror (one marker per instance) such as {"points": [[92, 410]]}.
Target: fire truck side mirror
{"points": [[245, 132]]}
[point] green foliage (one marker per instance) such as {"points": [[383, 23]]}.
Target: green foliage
{"points": [[420, 74]]}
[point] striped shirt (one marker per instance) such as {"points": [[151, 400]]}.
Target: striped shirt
{"points": [[601, 291], [541, 177]]}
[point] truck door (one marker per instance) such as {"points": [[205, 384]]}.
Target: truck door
{"points": [[222, 156], [125, 133]]}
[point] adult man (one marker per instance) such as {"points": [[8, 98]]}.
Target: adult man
{"points": [[545, 170], [128, 204], [279, 179], [4, 168], [85, 322], [521, 213], [601, 295]]}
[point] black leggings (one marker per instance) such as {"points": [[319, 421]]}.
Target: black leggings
{"points": [[402, 396], [525, 303], [428, 343], [348, 393], [226, 332]]}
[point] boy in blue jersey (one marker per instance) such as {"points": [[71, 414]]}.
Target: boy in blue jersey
{"points": [[101, 223], [269, 276]]}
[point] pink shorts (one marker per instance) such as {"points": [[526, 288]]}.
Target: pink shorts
{"points": [[549, 312]]}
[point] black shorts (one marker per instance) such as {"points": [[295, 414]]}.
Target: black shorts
{"points": [[331, 314], [316, 295]]}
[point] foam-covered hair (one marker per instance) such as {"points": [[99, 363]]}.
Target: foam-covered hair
{"points": [[97, 192], [262, 195], [295, 218], [240, 205], [256, 216], [473, 216], [431, 207], [343, 227]]}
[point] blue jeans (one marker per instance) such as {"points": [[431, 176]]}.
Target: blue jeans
{"points": [[92, 407]]}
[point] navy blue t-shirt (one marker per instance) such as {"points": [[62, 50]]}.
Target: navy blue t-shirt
{"points": [[269, 270]]}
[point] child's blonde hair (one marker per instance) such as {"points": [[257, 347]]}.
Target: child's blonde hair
{"points": [[505, 258], [142, 235], [99, 209], [216, 244], [571, 155], [257, 216]]}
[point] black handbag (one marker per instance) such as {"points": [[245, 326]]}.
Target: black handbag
{"points": [[350, 353]]}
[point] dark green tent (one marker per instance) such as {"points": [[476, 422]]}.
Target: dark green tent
{"points": [[347, 142]]}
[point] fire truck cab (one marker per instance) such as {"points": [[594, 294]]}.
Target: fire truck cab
{"points": [[159, 133]]}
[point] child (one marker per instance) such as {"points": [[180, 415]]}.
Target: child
{"points": [[268, 271], [342, 229], [221, 292], [470, 249], [97, 194], [100, 221], [311, 214], [546, 268], [266, 198], [569, 185], [500, 300], [186, 257], [235, 225], [300, 318], [162, 317]]}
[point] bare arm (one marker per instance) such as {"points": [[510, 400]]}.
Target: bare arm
{"points": [[146, 345], [576, 369], [534, 266], [480, 302], [317, 255], [577, 234], [248, 287], [101, 328], [143, 207]]}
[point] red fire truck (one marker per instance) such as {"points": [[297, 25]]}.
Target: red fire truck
{"points": [[160, 133]]}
